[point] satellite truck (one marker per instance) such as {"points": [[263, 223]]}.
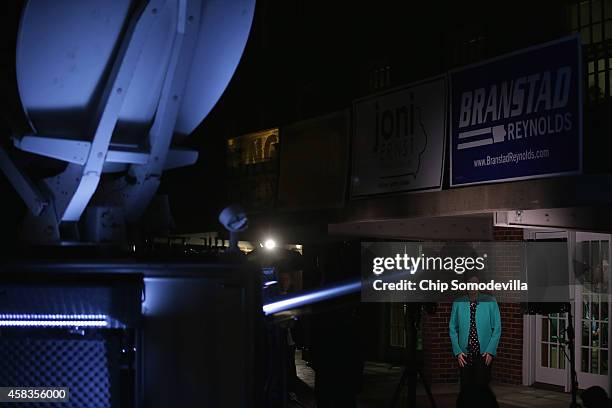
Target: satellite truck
{"points": [[107, 88]]}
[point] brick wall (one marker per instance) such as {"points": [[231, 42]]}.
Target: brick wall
{"points": [[508, 365], [440, 366], [507, 234]]}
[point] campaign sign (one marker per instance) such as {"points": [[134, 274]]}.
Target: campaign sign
{"points": [[518, 116], [398, 139]]}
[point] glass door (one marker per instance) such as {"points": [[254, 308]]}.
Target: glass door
{"points": [[550, 349], [593, 309]]}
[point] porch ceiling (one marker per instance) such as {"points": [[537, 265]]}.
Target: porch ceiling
{"points": [[559, 192]]}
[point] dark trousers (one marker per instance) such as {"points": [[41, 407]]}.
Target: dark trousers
{"points": [[476, 372]]}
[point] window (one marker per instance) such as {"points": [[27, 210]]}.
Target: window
{"points": [[593, 20], [594, 330], [252, 162], [599, 79]]}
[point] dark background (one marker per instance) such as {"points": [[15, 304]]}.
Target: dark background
{"points": [[306, 58]]}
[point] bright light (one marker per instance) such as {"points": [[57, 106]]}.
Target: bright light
{"points": [[270, 244], [314, 296]]}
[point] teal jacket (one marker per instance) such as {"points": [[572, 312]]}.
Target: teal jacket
{"points": [[488, 324]]}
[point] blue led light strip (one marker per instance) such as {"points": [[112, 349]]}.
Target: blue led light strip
{"points": [[53, 323], [53, 320], [52, 316]]}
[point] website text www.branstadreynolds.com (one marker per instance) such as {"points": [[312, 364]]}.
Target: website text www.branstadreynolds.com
{"points": [[512, 158]]}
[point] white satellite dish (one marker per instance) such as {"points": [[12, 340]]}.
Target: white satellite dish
{"points": [[106, 85]]}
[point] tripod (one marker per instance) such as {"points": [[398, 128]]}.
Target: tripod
{"points": [[409, 378], [414, 365], [570, 335]]}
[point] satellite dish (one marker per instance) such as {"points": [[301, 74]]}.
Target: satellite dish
{"points": [[106, 86], [66, 50]]}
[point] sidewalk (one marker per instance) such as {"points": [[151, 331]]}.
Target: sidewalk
{"points": [[380, 381]]}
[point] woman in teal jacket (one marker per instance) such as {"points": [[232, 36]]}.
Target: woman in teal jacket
{"points": [[475, 329]]}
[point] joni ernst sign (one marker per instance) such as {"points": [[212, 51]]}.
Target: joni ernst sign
{"points": [[517, 116], [398, 139]]}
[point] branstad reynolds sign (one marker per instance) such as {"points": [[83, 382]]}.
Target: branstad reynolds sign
{"points": [[398, 139], [518, 116]]}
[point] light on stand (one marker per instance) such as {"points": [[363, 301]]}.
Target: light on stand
{"points": [[235, 220]]}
